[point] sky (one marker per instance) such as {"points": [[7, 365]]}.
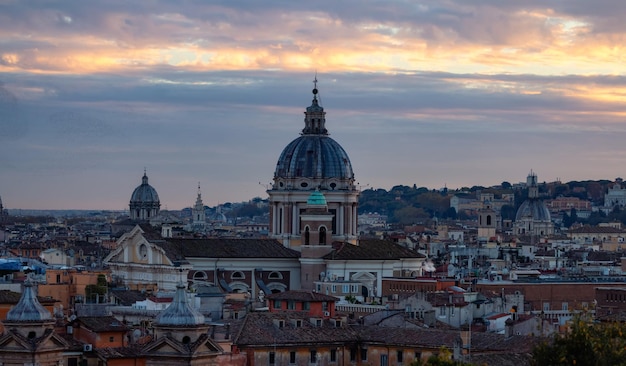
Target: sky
{"points": [[434, 93]]}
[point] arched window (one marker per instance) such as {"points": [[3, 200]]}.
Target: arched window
{"points": [[307, 236], [275, 276], [238, 275], [200, 275], [488, 220], [322, 235]]}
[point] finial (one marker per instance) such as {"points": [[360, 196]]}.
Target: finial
{"points": [[315, 85], [198, 187]]}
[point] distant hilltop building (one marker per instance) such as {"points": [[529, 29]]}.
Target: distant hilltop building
{"points": [[615, 197], [471, 204], [313, 161], [533, 217], [144, 202]]}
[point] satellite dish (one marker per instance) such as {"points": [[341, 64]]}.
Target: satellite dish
{"points": [[451, 270], [135, 335]]}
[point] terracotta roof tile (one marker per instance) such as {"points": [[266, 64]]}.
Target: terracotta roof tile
{"points": [[301, 296], [233, 248], [370, 249], [102, 324]]}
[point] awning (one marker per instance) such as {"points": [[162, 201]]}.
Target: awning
{"points": [[262, 286]]}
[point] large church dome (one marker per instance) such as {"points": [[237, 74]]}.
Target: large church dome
{"points": [[314, 159], [533, 216], [144, 193], [144, 202], [313, 171], [314, 156], [535, 209]]}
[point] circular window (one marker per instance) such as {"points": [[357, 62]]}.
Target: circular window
{"points": [[143, 250], [186, 340], [304, 184], [281, 184], [333, 185]]}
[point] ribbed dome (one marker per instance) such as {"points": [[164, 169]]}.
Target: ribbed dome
{"points": [[28, 309], [145, 193], [316, 199], [533, 208], [179, 313], [314, 156]]}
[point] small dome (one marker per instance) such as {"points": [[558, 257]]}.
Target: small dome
{"points": [[179, 313], [28, 309], [145, 193], [316, 199], [533, 208]]}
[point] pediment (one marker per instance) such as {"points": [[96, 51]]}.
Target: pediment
{"points": [[209, 346], [165, 346], [53, 342], [363, 276], [134, 248], [169, 346], [10, 343]]}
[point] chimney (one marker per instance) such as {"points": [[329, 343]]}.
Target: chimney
{"points": [[508, 328]]}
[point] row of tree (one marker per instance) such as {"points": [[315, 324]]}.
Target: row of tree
{"points": [[406, 205]]}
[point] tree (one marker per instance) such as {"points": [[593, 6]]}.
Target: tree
{"points": [[433, 202], [444, 358], [409, 215], [596, 217], [505, 185], [450, 213], [586, 343], [507, 212], [569, 220], [94, 293]]}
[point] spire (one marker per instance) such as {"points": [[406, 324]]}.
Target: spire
{"points": [[315, 117], [199, 205]]}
